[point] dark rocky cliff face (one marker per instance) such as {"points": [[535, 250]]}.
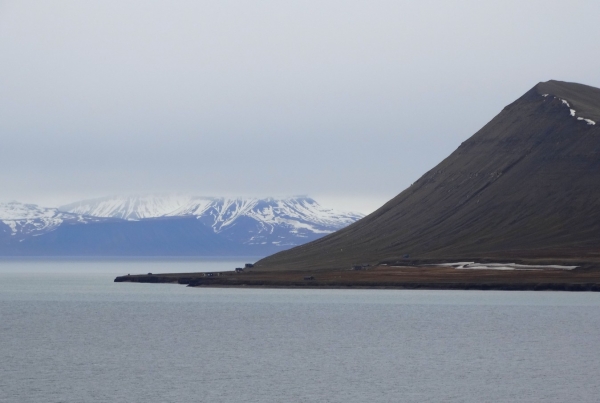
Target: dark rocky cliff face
{"points": [[526, 185]]}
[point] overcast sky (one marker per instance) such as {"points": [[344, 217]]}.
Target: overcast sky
{"points": [[347, 101]]}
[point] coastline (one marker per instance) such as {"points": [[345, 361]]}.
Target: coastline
{"points": [[389, 277]]}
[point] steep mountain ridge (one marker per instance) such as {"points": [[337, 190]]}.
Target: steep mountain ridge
{"points": [[583, 98], [524, 186]]}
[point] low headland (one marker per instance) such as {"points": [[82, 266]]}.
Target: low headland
{"points": [[409, 275]]}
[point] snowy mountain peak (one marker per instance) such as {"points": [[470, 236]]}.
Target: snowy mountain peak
{"points": [[150, 206], [21, 211], [298, 214], [129, 207]]}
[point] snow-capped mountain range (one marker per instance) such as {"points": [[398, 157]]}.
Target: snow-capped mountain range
{"points": [[294, 212], [31, 219], [249, 225]]}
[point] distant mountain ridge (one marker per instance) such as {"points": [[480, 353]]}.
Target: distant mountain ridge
{"points": [[231, 225], [225, 210], [30, 219], [134, 207]]}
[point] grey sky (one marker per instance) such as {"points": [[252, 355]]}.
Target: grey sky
{"points": [[347, 101]]}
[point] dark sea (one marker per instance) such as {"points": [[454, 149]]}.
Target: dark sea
{"points": [[69, 334]]}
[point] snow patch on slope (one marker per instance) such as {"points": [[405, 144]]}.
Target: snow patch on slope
{"points": [[573, 112], [504, 266], [588, 121], [302, 213]]}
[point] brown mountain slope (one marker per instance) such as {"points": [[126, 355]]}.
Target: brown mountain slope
{"points": [[527, 185]]}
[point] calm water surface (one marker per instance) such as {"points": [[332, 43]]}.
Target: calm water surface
{"points": [[69, 334]]}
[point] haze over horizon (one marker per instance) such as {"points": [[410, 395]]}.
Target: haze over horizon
{"points": [[348, 102]]}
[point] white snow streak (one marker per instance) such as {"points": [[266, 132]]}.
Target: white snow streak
{"points": [[588, 121], [573, 111], [503, 266]]}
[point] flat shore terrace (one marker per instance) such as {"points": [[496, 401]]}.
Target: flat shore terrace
{"points": [[390, 277]]}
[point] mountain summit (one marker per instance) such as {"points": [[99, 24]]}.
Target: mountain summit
{"points": [[524, 186]]}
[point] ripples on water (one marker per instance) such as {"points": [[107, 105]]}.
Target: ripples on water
{"points": [[69, 334]]}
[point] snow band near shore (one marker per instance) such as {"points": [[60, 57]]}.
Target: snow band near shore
{"points": [[503, 266]]}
